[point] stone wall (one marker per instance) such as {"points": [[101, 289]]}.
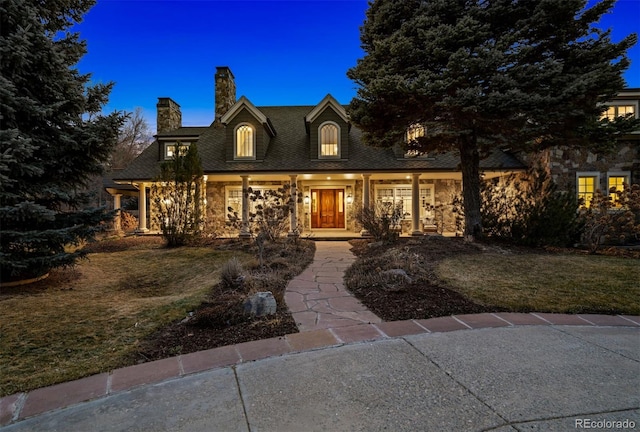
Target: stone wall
{"points": [[564, 163]]}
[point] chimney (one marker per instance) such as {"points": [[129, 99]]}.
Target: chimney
{"points": [[169, 115], [225, 96]]}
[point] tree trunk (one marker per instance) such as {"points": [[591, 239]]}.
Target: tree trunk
{"points": [[470, 164]]}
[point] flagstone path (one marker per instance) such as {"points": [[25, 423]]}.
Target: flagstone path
{"points": [[317, 297]]}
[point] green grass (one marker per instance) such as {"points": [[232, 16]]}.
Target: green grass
{"points": [[89, 320], [546, 283]]}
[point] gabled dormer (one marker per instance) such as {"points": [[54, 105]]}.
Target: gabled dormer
{"points": [[248, 132], [328, 129]]}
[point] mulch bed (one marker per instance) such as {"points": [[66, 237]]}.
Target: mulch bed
{"points": [[424, 297], [183, 338]]}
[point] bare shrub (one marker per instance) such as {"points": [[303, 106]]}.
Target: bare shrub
{"points": [[231, 274], [381, 220]]}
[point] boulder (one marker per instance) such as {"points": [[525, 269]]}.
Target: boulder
{"points": [[260, 304]]}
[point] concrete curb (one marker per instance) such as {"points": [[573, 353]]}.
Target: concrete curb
{"points": [[20, 406]]}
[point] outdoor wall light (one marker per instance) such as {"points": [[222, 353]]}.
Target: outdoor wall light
{"points": [[306, 199], [349, 199]]}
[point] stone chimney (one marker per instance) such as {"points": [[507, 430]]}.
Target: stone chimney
{"points": [[225, 92], [169, 115]]}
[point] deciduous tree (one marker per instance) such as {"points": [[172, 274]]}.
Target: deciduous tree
{"points": [[480, 75]]}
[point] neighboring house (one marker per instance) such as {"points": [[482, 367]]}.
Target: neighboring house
{"points": [[321, 155]]}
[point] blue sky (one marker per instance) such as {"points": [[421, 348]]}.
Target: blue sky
{"points": [[281, 52]]}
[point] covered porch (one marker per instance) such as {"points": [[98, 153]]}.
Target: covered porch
{"points": [[325, 203]]}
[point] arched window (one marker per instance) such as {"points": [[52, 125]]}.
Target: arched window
{"points": [[245, 142], [329, 140]]}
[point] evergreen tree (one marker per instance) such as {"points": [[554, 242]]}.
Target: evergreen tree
{"points": [[485, 74], [178, 195], [53, 138]]}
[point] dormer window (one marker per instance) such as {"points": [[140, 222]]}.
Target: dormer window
{"points": [[329, 138], [245, 145], [170, 149], [413, 132]]}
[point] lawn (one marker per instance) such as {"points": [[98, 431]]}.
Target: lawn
{"points": [[527, 282], [90, 319], [445, 276]]}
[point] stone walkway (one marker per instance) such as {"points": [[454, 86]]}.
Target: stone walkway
{"points": [[317, 297]]}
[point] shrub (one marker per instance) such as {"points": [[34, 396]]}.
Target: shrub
{"points": [[530, 210], [381, 221], [270, 217], [128, 222], [608, 222], [178, 196], [231, 274]]}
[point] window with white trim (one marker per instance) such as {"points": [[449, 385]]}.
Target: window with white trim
{"points": [[233, 199], [391, 195], [170, 149], [329, 140], [245, 142], [587, 184], [618, 111], [615, 185]]}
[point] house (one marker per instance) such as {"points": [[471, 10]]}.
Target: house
{"points": [[320, 154], [585, 172]]}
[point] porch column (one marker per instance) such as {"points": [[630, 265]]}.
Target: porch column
{"points": [[244, 230], [365, 199], [293, 218], [117, 220], [142, 208], [415, 205]]}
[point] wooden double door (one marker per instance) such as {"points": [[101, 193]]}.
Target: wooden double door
{"points": [[327, 208]]}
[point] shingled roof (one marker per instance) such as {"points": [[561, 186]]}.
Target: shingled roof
{"points": [[288, 152]]}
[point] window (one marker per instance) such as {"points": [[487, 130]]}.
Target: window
{"points": [[170, 149], [587, 185], [391, 195], [329, 140], [234, 200], [618, 111], [615, 185], [413, 132], [245, 142]]}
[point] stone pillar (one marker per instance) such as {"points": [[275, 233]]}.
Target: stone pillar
{"points": [[366, 198], [293, 218], [415, 205], [117, 220], [244, 230], [142, 208]]}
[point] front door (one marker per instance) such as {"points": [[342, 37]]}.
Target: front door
{"points": [[327, 208]]}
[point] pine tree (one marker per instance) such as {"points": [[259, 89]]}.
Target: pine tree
{"points": [[53, 138], [485, 74]]}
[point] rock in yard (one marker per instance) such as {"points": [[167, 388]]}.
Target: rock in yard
{"points": [[260, 304], [397, 273]]}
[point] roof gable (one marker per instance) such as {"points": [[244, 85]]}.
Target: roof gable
{"points": [[328, 101], [243, 102]]}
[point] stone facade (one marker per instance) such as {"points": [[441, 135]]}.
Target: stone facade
{"points": [[169, 115], [225, 92], [564, 163]]}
